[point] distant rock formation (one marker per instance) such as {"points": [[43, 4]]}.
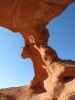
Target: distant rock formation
{"points": [[54, 78]]}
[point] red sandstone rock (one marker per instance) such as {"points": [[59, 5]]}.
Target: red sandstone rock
{"points": [[30, 17]]}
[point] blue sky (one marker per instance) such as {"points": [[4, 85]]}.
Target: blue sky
{"points": [[62, 30], [15, 71]]}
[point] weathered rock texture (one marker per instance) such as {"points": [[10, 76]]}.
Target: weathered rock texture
{"points": [[54, 78], [55, 89]]}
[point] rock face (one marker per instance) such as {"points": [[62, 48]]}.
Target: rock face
{"points": [[54, 78], [55, 89]]}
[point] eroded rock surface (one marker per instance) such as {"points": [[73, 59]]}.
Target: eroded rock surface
{"points": [[54, 78], [55, 89]]}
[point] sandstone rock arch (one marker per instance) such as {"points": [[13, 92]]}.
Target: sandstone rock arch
{"points": [[30, 17]]}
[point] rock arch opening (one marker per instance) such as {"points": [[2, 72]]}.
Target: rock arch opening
{"points": [[14, 70]]}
